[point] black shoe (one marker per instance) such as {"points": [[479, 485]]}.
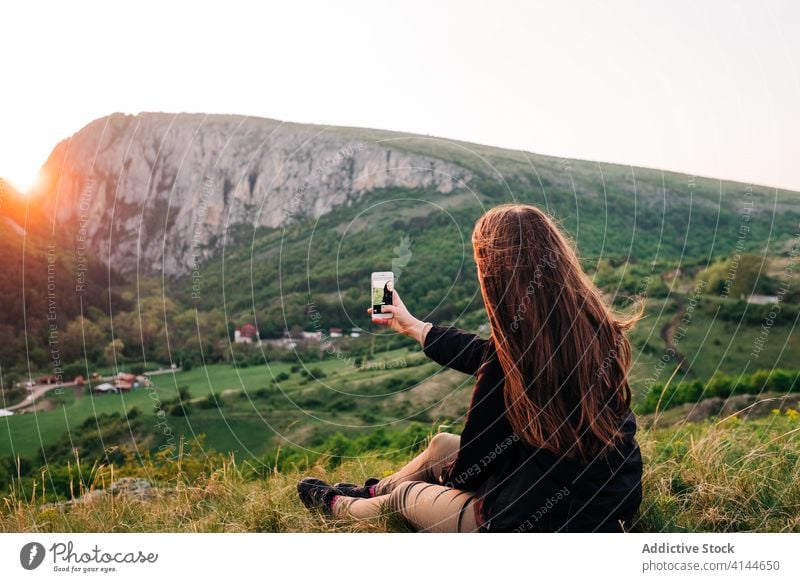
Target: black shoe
{"points": [[316, 494], [353, 490]]}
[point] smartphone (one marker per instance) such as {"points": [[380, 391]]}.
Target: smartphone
{"points": [[382, 289]]}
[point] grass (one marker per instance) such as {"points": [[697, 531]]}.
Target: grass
{"points": [[716, 344], [648, 346], [727, 475], [220, 499], [722, 476]]}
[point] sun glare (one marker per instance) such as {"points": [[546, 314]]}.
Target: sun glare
{"points": [[23, 183]]}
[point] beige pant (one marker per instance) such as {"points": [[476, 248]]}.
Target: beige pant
{"points": [[413, 492]]}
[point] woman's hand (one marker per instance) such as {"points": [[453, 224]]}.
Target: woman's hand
{"points": [[402, 320]]}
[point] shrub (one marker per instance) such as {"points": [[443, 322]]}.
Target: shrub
{"points": [[211, 401], [71, 371], [179, 409], [137, 369], [689, 391], [720, 384]]}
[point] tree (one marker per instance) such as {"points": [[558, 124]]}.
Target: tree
{"points": [[9, 344], [82, 332], [72, 371], [113, 352], [735, 278]]}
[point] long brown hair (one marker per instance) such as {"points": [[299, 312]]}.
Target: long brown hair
{"points": [[563, 350]]}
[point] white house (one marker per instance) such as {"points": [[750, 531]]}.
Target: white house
{"points": [[762, 299], [104, 388], [247, 334]]}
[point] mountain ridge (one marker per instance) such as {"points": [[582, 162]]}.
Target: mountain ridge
{"points": [[162, 189]]}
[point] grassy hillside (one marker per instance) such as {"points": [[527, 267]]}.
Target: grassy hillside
{"points": [[251, 409], [729, 475]]}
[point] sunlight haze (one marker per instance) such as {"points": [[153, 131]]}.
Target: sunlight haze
{"points": [[710, 89]]}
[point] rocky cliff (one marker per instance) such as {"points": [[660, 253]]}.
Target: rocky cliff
{"points": [[148, 192], [158, 192]]}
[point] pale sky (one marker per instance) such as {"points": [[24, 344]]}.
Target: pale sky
{"points": [[710, 88]]}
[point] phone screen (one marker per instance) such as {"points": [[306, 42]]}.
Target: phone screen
{"points": [[382, 288]]}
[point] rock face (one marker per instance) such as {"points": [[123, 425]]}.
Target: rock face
{"points": [[133, 488], [156, 191], [744, 406]]}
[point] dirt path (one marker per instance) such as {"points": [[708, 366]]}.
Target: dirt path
{"points": [[668, 335]]}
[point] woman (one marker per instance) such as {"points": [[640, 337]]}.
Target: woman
{"points": [[549, 439], [388, 293]]}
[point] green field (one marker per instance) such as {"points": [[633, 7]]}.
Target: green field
{"points": [[714, 344], [256, 413]]}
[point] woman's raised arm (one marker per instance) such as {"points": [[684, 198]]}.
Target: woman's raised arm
{"points": [[449, 346]]}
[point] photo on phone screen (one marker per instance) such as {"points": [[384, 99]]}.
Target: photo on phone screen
{"points": [[382, 288]]}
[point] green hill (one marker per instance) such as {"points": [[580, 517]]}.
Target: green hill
{"points": [[724, 476]]}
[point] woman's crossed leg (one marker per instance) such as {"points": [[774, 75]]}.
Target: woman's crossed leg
{"points": [[414, 493]]}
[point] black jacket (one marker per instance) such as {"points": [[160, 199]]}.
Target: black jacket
{"points": [[521, 488]]}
